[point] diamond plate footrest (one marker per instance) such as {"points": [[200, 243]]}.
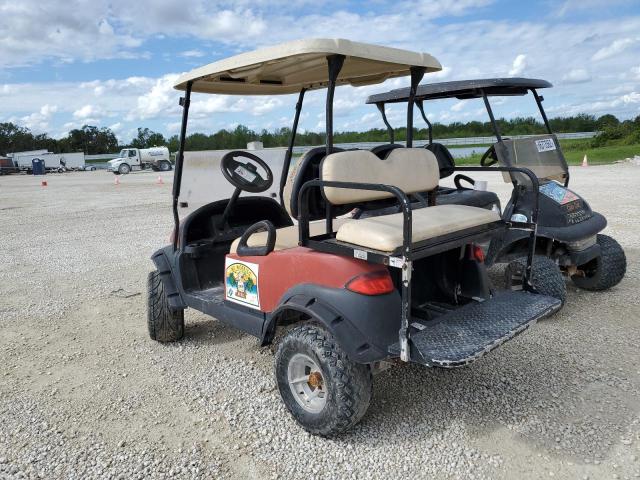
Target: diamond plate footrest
{"points": [[463, 335]]}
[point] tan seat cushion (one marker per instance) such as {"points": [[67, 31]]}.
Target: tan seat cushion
{"points": [[384, 233], [410, 169], [287, 237]]}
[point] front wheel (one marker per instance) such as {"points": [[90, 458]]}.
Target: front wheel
{"points": [[605, 271], [546, 277], [124, 169], [325, 391], [165, 324]]}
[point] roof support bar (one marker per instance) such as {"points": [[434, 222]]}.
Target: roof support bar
{"points": [[335, 63], [420, 105], [496, 130], [177, 176], [416, 76], [390, 131], [539, 100], [292, 139]]}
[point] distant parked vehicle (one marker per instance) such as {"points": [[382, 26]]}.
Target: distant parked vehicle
{"points": [[53, 162], [156, 158], [7, 166]]}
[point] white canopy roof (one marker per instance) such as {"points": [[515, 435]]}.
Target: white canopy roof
{"points": [[291, 66]]}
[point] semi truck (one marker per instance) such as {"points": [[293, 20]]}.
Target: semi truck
{"points": [[156, 158], [54, 162]]}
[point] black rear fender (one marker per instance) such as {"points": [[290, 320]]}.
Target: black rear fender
{"points": [[364, 325]]}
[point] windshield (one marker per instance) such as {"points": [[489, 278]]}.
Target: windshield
{"points": [[123, 153], [540, 153]]}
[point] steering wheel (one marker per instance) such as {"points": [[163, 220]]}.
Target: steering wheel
{"points": [[490, 153], [245, 176]]}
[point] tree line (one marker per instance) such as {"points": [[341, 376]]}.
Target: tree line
{"points": [[94, 140]]}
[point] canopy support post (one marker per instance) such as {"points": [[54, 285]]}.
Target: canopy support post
{"points": [[420, 105], [539, 100], [416, 76], [335, 63], [177, 176], [392, 137], [292, 139], [487, 105]]}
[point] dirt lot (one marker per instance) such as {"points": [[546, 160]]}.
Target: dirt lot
{"points": [[84, 393]]}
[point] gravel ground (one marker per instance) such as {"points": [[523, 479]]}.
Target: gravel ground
{"points": [[85, 394]]}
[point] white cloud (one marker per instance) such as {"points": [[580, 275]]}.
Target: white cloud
{"points": [[618, 46], [444, 8], [116, 127], [573, 6], [633, 97], [265, 105], [87, 111], [457, 107], [192, 54], [577, 75], [161, 98], [38, 121], [518, 66]]}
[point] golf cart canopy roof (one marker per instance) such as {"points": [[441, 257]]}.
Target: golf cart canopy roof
{"points": [[463, 89], [290, 67]]}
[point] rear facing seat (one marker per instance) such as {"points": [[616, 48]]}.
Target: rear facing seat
{"points": [[410, 169]]}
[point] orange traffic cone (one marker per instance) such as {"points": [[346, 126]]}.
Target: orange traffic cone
{"points": [[43, 183], [116, 181], [585, 162], [159, 181]]}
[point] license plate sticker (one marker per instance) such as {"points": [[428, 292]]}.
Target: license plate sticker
{"points": [[244, 173], [361, 254], [557, 193], [545, 145]]}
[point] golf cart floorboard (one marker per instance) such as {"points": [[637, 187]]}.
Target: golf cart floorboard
{"points": [[461, 336]]}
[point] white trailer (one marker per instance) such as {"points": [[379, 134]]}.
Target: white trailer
{"points": [[155, 158], [55, 162]]}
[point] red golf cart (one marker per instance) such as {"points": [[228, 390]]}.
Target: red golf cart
{"points": [[351, 293]]}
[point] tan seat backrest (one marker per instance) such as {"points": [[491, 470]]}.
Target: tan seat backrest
{"points": [[288, 187], [410, 169]]}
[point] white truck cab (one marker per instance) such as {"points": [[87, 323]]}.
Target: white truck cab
{"points": [[155, 158]]}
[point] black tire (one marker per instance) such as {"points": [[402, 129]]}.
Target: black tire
{"points": [[124, 168], [165, 325], [348, 385], [546, 277], [605, 271], [164, 166]]}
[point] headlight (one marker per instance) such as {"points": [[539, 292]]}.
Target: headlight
{"points": [[519, 217]]}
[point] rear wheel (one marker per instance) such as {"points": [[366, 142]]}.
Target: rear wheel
{"points": [[546, 277], [325, 391], [605, 271], [165, 324], [165, 166]]}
